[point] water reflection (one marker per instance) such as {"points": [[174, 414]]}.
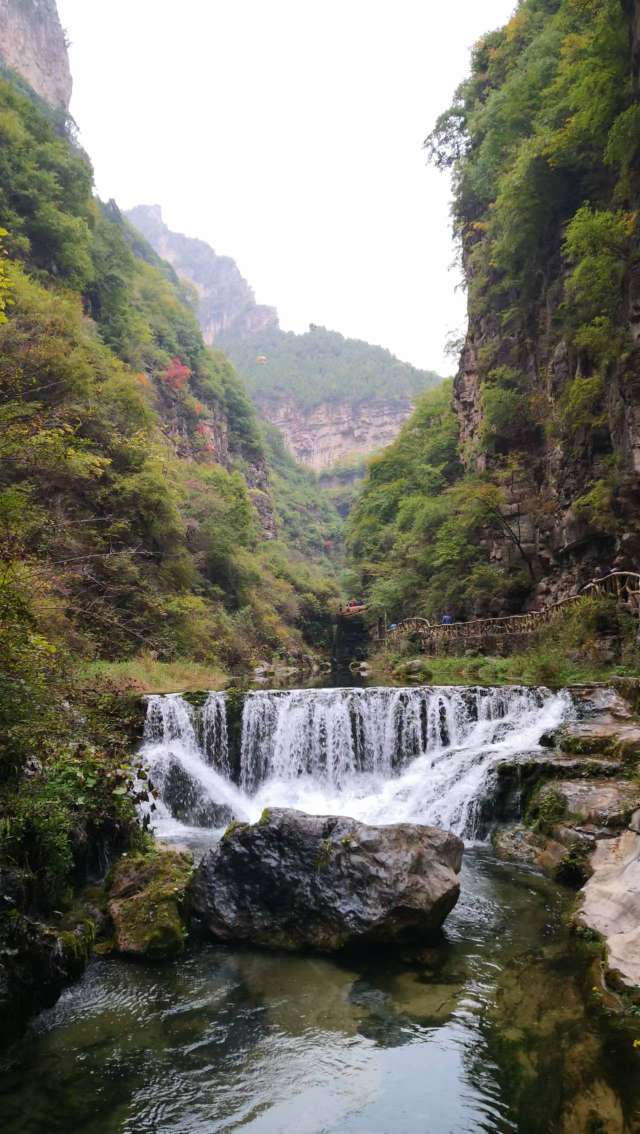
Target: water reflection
{"points": [[487, 1032]]}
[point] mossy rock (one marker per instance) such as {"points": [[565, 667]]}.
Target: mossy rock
{"points": [[594, 744], [546, 807], [574, 868], [148, 898], [629, 688], [416, 669], [36, 961], [618, 739]]}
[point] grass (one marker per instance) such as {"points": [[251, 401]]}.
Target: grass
{"points": [[592, 640], [535, 667], [147, 675]]}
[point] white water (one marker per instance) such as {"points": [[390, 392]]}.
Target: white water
{"points": [[176, 738], [382, 755]]}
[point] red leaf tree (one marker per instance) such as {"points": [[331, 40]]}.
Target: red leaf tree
{"points": [[176, 375]]}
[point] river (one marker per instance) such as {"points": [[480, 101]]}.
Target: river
{"points": [[498, 1027]]}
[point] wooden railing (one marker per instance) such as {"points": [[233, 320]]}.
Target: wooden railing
{"points": [[624, 586]]}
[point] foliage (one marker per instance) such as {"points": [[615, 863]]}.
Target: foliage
{"points": [[67, 784], [127, 447], [419, 528], [546, 808], [5, 286], [29, 674], [307, 519], [322, 366], [598, 246], [45, 183], [542, 141], [507, 420], [594, 506], [581, 401], [77, 788]]}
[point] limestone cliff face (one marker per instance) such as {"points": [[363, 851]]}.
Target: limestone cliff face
{"points": [[326, 435], [562, 540], [356, 420], [569, 469], [225, 300], [32, 43]]}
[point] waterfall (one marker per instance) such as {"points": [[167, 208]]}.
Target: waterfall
{"points": [[383, 755], [215, 738], [187, 754]]}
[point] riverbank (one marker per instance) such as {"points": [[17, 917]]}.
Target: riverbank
{"points": [[533, 667], [592, 640], [145, 674], [76, 808]]}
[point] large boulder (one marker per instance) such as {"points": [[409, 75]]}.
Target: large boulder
{"points": [[611, 902], [297, 881]]}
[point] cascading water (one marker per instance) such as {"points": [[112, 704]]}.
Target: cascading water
{"points": [[195, 791], [382, 755]]}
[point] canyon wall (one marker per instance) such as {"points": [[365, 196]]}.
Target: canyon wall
{"points": [[33, 44], [225, 300], [333, 398], [547, 395], [332, 433]]}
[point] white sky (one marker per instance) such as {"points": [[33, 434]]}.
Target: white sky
{"points": [[287, 134]]}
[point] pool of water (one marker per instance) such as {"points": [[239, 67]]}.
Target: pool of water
{"points": [[497, 1028]]}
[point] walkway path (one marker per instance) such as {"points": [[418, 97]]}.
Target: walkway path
{"points": [[624, 586]]}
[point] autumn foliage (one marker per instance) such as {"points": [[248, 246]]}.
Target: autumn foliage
{"points": [[176, 374]]}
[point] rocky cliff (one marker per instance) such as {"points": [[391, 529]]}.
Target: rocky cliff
{"points": [[516, 492], [548, 391], [334, 432], [33, 44], [225, 300], [333, 398]]}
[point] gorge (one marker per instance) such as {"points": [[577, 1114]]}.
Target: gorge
{"points": [[334, 399], [241, 890]]}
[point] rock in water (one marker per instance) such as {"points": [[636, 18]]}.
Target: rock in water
{"points": [[147, 898], [295, 881]]}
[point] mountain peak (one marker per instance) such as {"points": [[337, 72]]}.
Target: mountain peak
{"points": [[33, 45], [226, 302]]}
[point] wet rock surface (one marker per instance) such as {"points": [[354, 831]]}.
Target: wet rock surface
{"points": [[582, 819], [295, 881], [605, 804], [147, 901], [37, 960], [611, 902], [605, 736]]}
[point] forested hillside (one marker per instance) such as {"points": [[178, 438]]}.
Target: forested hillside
{"points": [[322, 366], [136, 510], [334, 399], [149, 531], [543, 139]]}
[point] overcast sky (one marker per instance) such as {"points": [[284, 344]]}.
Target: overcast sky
{"points": [[287, 134]]}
